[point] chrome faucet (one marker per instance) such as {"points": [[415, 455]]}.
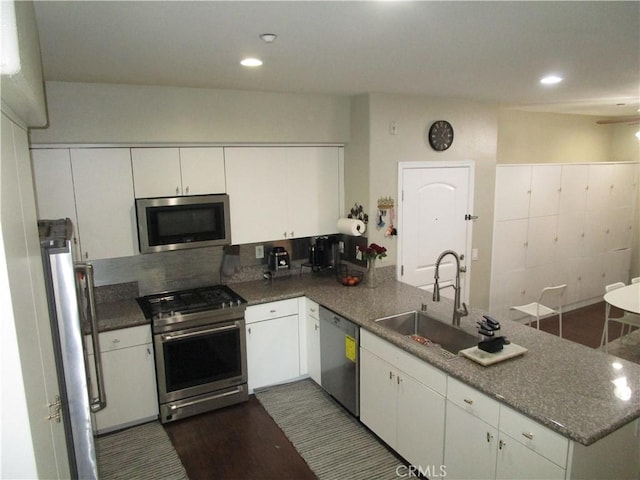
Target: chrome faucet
{"points": [[457, 310]]}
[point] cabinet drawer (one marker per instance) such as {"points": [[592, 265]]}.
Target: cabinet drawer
{"points": [[122, 338], [418, 369], [313, 309], [535, 436], [267, 311], [473, 401]]}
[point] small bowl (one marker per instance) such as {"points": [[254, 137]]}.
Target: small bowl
{"points": [[350, 278]]}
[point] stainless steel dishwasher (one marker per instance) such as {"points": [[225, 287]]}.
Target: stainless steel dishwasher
{"points": [[339, 365]]}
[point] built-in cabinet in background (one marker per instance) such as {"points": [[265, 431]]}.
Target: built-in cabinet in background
{"points": [[273, 343], [282, 192], [93, 187], [165, 172], [561, 223], [402, 400], [129, 377]]}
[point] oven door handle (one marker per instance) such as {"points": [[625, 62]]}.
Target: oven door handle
{"points": [[179, 336]]}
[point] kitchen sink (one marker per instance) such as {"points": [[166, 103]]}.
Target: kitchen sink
{"points": [[450, 338]]}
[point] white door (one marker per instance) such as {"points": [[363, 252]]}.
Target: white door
{"points": [[433, 217]]}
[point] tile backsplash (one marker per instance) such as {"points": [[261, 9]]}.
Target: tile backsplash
{"points": [[180, 269]]}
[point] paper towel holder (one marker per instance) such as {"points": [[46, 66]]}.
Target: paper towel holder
{"points": [[357, 212]]}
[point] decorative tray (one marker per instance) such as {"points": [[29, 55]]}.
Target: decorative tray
{"points": [[485, 358]]}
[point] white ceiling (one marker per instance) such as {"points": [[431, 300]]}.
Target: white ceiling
{"points": [[488, 51]]}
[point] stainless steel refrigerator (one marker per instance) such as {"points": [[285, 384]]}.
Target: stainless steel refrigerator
{"points": [[67, 313]]}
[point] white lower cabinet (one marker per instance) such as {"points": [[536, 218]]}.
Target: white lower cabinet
{"points": [[486, 440], [312, 322], [525, 447], [402, 401], [129, 377], [273, 345]]}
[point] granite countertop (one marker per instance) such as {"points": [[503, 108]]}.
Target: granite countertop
{"points": [[119, 314], [563, 385]]}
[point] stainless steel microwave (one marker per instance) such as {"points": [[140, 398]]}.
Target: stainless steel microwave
{"points": [[174, 223]]}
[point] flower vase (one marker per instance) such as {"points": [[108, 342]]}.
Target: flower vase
{"points": [[371, 277]]}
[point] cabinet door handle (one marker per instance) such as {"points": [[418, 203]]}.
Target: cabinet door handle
{"points": [[502, 444], [468, 401], [178, 190], [272, 311], [187, 190], [489, 437], [249, 331], [398, 380], [528, 435], [391, 375]]}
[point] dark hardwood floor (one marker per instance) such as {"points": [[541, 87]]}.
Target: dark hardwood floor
{"points": [[583, 325], [243, 442]]}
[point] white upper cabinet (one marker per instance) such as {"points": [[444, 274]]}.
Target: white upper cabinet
{"points": [[202, 170], [53, 180], [104, 202], [94, 188], [166, 172], [282, 192], [54, 184]]}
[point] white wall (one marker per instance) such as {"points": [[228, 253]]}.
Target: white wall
{"points": [[356, 165], [534, 137], [100, 113], [475, 127]]}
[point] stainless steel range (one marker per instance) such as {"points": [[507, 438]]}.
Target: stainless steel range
{"points": [[200, 349]]}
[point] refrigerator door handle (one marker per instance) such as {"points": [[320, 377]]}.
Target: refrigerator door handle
{"points": [[100, 402]]}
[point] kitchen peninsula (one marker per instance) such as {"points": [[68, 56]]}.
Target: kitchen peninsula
{"points": [[566, 386], [581, 394]]}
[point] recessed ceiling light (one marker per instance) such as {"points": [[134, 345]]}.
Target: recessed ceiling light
{"points": [[550, 80], [251, 62]]}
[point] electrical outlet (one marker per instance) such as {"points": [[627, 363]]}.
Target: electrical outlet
{"points": [[259, 251]]}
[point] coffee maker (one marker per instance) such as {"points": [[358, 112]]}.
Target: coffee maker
{"points": [[323, 253], [279, 259]]}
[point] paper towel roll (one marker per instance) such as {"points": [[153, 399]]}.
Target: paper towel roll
{"points": [[351, 226]]}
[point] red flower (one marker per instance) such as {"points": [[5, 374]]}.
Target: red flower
{"points": [[372, 251]]}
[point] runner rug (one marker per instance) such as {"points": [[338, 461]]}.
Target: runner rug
{"points": [[138, 453], [332, 442]]}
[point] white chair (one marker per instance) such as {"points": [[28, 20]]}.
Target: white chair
{"points": [[627, 319], [549, 303]]}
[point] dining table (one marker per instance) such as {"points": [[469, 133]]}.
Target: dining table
{"points": [[626, 298]]}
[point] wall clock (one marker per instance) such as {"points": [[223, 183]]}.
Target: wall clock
{"points": [[440, 135]]}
